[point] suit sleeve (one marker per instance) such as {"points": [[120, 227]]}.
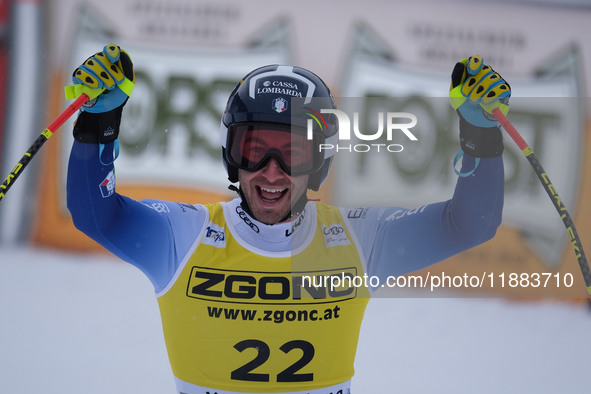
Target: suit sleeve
{"points": [[396, 240], [152, 235]]}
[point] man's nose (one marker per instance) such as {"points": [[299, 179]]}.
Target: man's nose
{"points": [[272, 170]]}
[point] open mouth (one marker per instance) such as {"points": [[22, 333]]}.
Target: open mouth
{"points": [[271, 195]]}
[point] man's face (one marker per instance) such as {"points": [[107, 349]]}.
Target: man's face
{"points": [[270, 192]]}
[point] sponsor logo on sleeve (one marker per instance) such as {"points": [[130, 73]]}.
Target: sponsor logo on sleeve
{"points": [[107, 186]]}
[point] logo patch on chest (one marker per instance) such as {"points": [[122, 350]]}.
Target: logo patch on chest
{"points": [[215, 236], [335, 235]]}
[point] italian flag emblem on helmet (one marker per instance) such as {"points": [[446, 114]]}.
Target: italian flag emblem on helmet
{"points": [[279, 105]]}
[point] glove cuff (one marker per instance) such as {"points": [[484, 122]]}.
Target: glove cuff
{"points": [[98, 128], [480, 141]]}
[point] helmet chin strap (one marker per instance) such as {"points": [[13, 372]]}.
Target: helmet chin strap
{"points": [[297, 208]]}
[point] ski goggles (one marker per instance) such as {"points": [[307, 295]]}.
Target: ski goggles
{"points": [[250, 146]]}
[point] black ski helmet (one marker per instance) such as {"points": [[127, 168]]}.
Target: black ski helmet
{"points": [[264, 97]]}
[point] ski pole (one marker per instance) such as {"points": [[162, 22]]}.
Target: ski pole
{"points": [[552, 193], [45, 135]]}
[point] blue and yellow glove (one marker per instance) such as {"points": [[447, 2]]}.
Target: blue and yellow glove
{"points": [[108, 78], [475, 90]]}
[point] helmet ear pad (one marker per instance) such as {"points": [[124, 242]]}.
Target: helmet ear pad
{"points": [[316, 179], [230, 169]]}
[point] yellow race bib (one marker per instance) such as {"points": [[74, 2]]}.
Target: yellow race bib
{"points": [[239, 319]]}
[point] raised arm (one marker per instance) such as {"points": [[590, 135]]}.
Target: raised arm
{"points": [[152, 235], [397, 240]]}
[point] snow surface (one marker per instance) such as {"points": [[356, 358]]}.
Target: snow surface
{"points": [[72, 323]]}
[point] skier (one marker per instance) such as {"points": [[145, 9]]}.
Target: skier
{"points": [[232, 279]]}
